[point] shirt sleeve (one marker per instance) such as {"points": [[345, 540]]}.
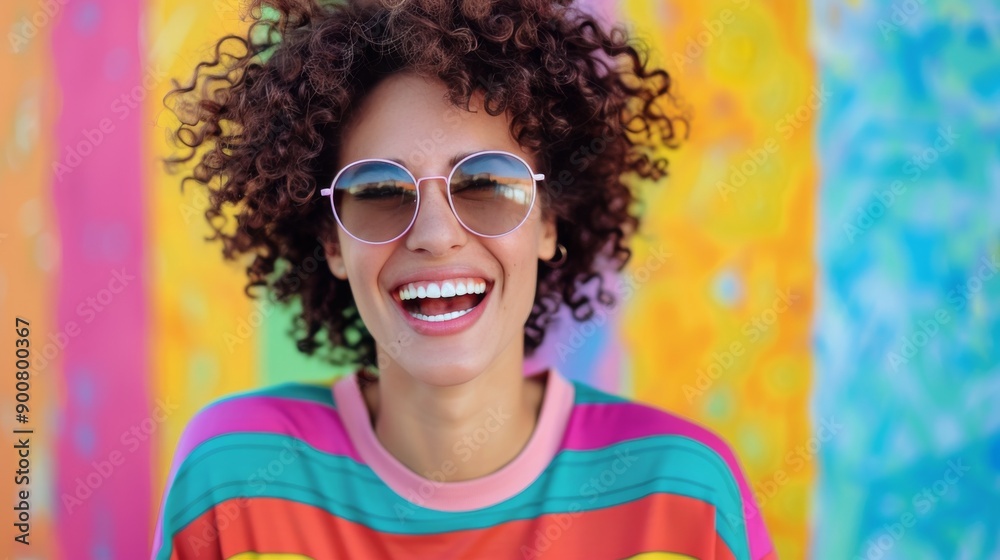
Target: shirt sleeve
{"points": [[208, 422]]}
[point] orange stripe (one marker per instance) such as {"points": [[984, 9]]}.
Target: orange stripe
{"points": [[660, 522]]}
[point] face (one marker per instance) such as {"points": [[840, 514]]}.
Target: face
{"points": [[408, 118]]}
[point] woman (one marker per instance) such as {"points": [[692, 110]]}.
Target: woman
{"points": [[432, 153]]}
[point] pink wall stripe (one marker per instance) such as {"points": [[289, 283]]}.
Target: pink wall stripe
{"points": [[102, 489]]}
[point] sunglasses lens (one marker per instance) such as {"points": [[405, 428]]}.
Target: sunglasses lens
{"points": [[492, 193], [374, 200]]}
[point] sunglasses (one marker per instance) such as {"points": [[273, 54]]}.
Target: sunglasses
{"points": [[490, 192]]}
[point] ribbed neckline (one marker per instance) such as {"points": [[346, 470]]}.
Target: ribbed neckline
{"points": [[466, 495]]}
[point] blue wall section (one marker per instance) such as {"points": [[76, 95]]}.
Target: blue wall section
{"points": [[908, 327]]}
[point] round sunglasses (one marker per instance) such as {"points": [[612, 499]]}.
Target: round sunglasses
{"points": [[491, 194]]}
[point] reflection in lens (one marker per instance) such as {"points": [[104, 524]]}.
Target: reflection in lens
{"points": [[492, 193], [375, 201]]}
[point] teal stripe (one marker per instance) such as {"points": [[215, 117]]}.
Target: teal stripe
{"points": [[317, 393], [585, 394], [236, 465]]}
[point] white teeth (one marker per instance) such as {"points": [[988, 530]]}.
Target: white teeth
{"points": [[445, 289], [440, 318]]}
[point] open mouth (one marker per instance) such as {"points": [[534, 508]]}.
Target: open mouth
{"points": [[443, 300]]}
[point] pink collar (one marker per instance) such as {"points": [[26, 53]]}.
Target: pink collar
{"points": [[466, 495]]}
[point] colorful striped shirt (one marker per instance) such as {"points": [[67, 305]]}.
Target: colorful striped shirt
{"points": [[296, 472]]}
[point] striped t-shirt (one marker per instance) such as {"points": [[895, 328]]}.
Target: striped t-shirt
{"points": [[295, 472]]}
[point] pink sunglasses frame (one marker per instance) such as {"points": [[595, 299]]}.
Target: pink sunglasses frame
{"points": [[535, 177]]}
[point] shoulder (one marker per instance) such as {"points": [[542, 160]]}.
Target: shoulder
{"points": [[681, 455], [616, 418], [289, 409], [255, 444], [271, 402]]}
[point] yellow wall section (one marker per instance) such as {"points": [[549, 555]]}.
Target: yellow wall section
{"points": [[196, 298], [742, 67]]}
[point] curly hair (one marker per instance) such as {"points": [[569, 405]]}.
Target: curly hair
{"points": [[261, 129]]}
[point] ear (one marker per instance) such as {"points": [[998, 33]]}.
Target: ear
{"points": [[334, 259], [547, 239]]}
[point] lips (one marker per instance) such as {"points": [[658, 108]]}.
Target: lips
{"points": [[441, 300]]}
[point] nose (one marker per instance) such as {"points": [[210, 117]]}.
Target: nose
{"points": [[436, 230]]}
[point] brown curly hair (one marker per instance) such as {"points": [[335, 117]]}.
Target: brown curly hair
{"points": [[266, 122]]}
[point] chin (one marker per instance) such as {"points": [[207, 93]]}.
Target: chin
{"points": [[443, 373]]}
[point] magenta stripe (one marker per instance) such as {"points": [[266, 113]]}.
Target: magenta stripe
{"points": [[271, 415], [106, 428], [593, 426]]}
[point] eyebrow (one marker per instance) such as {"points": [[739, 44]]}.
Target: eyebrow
{"points": [[451, 162]]}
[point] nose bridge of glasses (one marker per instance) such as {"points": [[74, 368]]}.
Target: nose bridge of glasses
{"points": [[437, 208], [441, 177], [425, 198], [445, 195]]}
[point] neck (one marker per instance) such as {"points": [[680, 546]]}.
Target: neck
{"points": [[458, 432]]}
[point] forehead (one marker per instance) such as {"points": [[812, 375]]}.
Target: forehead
{"points": [[409, 118]]}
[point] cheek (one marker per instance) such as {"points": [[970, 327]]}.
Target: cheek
{"points": [[364, 265], [522, 272]]}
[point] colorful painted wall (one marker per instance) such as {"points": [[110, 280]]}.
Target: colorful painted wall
{"points": [[818, 280]]}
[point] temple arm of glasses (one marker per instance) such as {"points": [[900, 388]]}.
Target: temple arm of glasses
{"points": [[325, 192]]}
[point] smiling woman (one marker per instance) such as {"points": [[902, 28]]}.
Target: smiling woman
{"points": [[412, 143]]}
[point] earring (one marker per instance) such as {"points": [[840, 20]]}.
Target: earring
{"points": [[560, 259]]}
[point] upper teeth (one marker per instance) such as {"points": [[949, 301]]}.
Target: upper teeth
{"points": [[447, 288]]}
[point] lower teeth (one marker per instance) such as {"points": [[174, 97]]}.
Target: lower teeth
{"points": [[440, 318]]}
